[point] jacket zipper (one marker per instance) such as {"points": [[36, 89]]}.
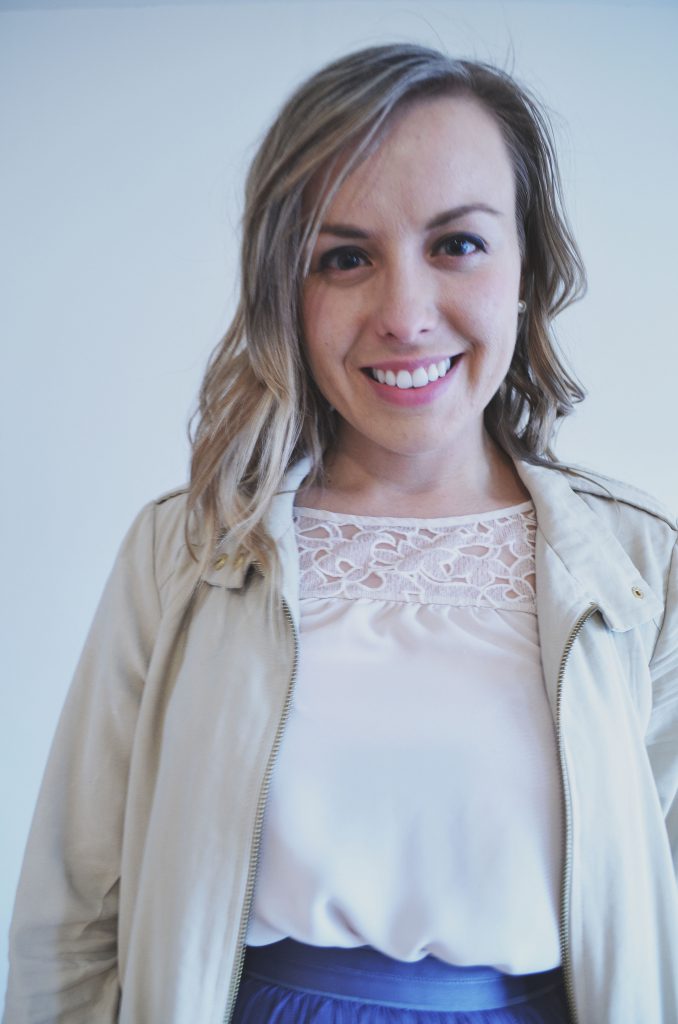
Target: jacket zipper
{"points": [[567, 870], [258, 826]]}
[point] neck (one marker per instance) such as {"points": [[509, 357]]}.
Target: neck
{"points": [[390, 483]]}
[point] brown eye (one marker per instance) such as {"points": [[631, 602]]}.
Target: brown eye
{"points": [[345, 258]]}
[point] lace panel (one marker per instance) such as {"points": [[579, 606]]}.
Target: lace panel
{"points": [[481, 562]]}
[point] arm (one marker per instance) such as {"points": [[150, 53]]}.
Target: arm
{"points": [[63, 940], [662, 734]]}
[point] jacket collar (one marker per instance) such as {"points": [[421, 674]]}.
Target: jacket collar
{"points": [[229, 570], [595, 566], [281, 529], [572, 542]]}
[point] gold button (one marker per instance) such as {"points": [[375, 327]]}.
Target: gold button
{"points": [[220, 562], [637, 592], [240, 561]]}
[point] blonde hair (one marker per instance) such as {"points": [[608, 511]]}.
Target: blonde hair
{"points": [[259, 409]]}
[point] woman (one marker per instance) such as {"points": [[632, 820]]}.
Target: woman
{"points": [[378, 721]]}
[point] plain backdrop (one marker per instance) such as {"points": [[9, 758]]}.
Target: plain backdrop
{"points": [[126, 129]]}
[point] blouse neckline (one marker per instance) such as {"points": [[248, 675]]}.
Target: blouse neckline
{"points": [[415, 521]]}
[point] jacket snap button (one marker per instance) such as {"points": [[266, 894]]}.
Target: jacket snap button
{"points": [[637, 592], [220, 562]]}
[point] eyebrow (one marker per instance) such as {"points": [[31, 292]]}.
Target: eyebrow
{"points": [[349, 231]]}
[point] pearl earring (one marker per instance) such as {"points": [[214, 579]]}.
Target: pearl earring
{"points": [[522, 305]]}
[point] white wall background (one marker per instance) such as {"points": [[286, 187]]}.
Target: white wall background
{"points": [[126, 130]]}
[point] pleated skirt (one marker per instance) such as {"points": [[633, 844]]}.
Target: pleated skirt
{"points": [[291, 983]]}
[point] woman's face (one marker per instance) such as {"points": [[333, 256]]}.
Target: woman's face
{"points": [[410, 307]]}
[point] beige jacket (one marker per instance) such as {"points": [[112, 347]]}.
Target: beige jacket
{"points": [[140, 865]]}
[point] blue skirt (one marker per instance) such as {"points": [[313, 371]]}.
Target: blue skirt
{"points": [[290, 983]]}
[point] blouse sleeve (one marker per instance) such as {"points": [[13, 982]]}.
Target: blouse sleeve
{"points": [[662, 735], [63, 939]]}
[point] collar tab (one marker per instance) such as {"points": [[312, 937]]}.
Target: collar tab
{"points": [[227, 570], [589, 551], [230, 569]]}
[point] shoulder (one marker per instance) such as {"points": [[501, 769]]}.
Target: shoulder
{"points": [[171, 530], [645, 528], [156, 539], [598, 490], [169, 511], [595, 521]]}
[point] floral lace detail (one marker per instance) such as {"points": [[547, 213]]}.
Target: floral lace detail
{"points": [[486, 562]]}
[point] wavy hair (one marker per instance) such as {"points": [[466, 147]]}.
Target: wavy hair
{"points": [[259, 409]]}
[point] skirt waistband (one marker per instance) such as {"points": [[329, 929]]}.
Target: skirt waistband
{"points": [[365, 975]]}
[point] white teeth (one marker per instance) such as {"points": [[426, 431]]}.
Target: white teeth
{"points": [[419, 378]]}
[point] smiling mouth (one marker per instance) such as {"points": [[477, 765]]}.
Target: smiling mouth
{"points": [[419, 378]]}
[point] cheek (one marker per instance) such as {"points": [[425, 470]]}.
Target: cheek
{"points": [[318, 318], [489, 305], [313, 337], [309, 316], [320, 339], [329, 324]]}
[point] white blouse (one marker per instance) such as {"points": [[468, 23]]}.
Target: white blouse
{"points": [[416, 802]]}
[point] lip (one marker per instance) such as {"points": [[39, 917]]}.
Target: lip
{"points": [[410, 397], [410, 364]]}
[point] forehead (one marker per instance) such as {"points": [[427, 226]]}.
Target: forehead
{"points": [[435, 153]]}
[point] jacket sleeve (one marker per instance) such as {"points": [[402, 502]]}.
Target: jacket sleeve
{"points": [[662, 734], [63, 939]]}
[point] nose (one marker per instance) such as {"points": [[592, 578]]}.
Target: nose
{"points": [[406, 307]]}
